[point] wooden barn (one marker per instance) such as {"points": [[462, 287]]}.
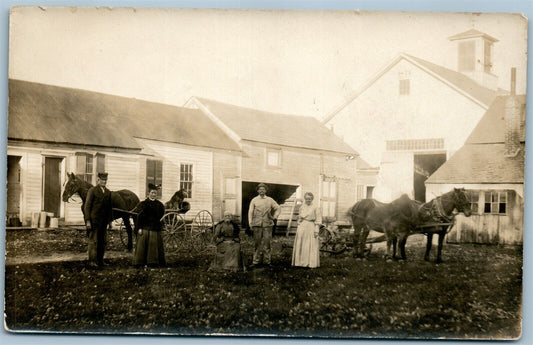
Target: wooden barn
{"points": [[403, 120], [291, 154], [491, 167], [54, 130], [217, 152]]}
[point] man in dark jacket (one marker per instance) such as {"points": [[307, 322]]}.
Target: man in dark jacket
{"points": [[97, 216]]}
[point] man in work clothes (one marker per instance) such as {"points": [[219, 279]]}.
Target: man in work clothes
{"points": [[97, 211], [261, 214]]}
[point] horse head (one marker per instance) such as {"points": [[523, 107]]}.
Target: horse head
{"points": [[74, 185], [462, 201]]}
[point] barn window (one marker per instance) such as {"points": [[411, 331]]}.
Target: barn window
{"points": [[328, 197], [474, 202], [360, 192], [186, 178], [495, 202], [273, 158], [487, 57], [405, 86], [154, 174], [467, 51], [87, 168]]}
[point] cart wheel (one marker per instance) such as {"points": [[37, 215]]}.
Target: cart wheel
{"points": [[123, 232], [203, 224], [173, 231]]}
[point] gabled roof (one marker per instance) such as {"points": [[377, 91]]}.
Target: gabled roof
{"points": [[46, 113], [455, 80], [279, 129], [482, 158], [472, 33]]}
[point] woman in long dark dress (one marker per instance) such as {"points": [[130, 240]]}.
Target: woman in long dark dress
{"points": [[228, 255], [149, 250]]}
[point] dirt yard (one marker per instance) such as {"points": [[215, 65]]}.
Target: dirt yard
{"points": [[475, 294]]}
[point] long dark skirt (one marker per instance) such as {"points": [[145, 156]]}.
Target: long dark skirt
{"points": [[149, 250], [228, 257]]}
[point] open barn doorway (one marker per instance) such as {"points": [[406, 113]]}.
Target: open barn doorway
{"points": [[424, 166], [279, 192]]}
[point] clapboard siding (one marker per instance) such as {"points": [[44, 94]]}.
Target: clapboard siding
{"points": [[173, 155], [302, 167], [123, 172], [487, 228]]}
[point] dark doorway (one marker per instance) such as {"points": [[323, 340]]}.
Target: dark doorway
{"points": [[13, 191], [52, 185], [278, 192], [424, 166]]}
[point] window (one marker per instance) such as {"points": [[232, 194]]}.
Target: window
{"points": [[328, 197], [360, 191], [404, 86], [467, 58], [230, 186], [415, 144], [495, 202], [474, 202], [487, 57], [100, 163], [186, 178], [154, 174], [86, 168], [274, 158]]}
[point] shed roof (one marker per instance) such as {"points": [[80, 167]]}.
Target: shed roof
{"points": [[40, 112], [482, 158], [281, 129]]}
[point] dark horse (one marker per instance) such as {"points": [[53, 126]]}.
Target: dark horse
{"points": [[440, 210], [123, 199], [395, 220], [177, 202]]}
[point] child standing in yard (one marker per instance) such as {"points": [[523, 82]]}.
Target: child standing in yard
{"points": [[149, 250], [306, 249]]}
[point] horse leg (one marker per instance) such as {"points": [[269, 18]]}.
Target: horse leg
{"points": [[394, 244], [428, 246], [442, 234], [129, 231], [356, 234], [402, 242], [362, 240]]}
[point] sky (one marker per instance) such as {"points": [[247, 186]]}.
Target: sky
{"points": [[299, 62]]}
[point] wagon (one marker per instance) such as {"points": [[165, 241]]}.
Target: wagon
{"points": [[178, 233]]}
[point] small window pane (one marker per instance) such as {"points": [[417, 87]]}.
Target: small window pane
{"points": [[273, 158]]}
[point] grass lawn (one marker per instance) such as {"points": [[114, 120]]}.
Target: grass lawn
{"points": [[475, 293]]}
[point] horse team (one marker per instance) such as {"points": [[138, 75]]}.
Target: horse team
{"points": [[404, 217], [396, 220]]}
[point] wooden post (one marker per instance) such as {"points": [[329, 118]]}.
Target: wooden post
{"points": [[290, 218]]}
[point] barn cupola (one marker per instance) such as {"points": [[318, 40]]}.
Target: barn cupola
{"points": [[474, 56]]}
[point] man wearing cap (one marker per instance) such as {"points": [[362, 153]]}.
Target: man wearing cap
{"points": [[97, 212], [261, 214]]}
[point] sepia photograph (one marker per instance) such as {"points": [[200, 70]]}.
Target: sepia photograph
{"points": [[332, 174]]}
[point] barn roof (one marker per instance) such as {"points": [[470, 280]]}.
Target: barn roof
{"points": [[482, 158], [281, 129], [457, 81], [47, 113]]}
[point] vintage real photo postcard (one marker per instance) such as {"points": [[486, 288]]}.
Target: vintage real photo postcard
{"points": [[336, 174]]}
